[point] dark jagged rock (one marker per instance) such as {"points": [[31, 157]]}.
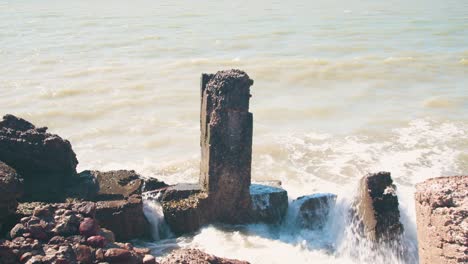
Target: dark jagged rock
{"points": [[314, 210], [11, 189], [123, 217], [46, 162], [442, 220], [269, 204], [195, 256], [377, 208], [226, 143]]}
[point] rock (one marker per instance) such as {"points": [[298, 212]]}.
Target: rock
{"points": [[226, 142], [89, 227], [118, 184], [18, 230], [85, 186], [46, 162], [148, 259], [313, 210], [10, 189], [195, 256], [179, 191], [83, 254], [442, 220], [269, 204], [188, 214], [97, 241], [109, 235], [119, 255], [124, 218], [377, 208], [151, 184]]}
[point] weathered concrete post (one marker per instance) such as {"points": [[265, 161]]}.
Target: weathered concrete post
{"points": [[377, 208], [442, 220], [226, 142]]}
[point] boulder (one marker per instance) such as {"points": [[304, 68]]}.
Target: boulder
{"points": [[124, 218], [10, 189], [377, 208], [313, 210], [195, 256], [442, 220], [269, 204], [46, 162]]}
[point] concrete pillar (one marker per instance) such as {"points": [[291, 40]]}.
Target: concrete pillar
{"points": [[377, 208], [442, 220], [226, 142]]}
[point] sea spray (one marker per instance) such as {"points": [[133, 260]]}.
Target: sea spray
{"points": [[154, 213]]}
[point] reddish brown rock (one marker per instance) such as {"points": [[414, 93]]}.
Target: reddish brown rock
{"points": [[124, 218], [119, 255], [89, 227], [442, 220], [377, 208], [83, 254], [195, 256], [46, 162], [96, 241]]}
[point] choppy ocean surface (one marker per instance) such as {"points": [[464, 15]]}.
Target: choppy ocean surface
{"points": [[341, 88]]}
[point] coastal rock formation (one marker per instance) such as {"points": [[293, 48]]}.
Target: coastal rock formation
{"points": [[195, 256], [226, 143], [269, 204], [64, 233], [377, 208], [313, 210], [46, 162], [442, 220], [10, 189], [123, 217]]}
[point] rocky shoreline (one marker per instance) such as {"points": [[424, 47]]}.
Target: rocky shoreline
{"points": [[50, 213]]}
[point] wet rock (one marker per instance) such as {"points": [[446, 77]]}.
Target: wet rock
{"points": [[89, 227], [226, 142], [11, 189], [314, 210], [377, 207], [269, 204], [151, 184], [195, 256], [179, 191], [46, 162], [124, 218], [442, 220], [189, 214]]}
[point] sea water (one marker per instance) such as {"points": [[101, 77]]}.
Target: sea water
{"points": [[342, 88]]}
